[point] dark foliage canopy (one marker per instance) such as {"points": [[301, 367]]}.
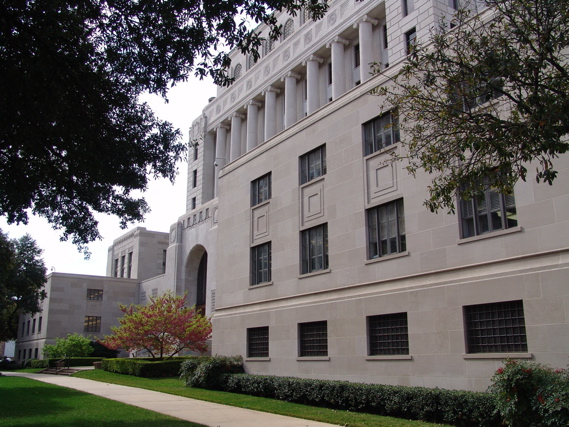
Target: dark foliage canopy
{"points": [[22, 278], [74, 138], [486, 97]]}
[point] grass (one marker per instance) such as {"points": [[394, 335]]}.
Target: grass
{"points": [[176, 386], [25, 402]]}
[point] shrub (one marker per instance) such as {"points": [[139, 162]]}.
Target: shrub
{"points": [[74, 345], [148, 368], [461, 408], [529, 394], [210, 372]]}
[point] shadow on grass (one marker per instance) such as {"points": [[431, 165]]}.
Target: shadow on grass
{"points": [[25, 402]]}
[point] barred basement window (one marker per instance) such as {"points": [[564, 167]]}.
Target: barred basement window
{"points": [[258, 342], [261, 189], [92, 324], [388, 334], [94, 294], [380, 133], [495, 328], [313, 339], [313, 164]]}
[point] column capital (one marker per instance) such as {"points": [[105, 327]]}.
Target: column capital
{"points": [[271, 89], [254, 103], [222, 126], [291, 74], [237, 115], [338, 40], [366, 18], [313, 58]]}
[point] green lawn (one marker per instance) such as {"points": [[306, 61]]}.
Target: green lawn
{"points": [[177, 387], [25, 402]]}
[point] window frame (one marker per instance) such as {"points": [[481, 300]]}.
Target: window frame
{"points": [[388, 334], [388, 124], [410, 41], [314, 254], [92, 324], [313, 164], [506, 334], [258, 342], [317, 345], [94, 294], [288, 28], [261, 267], [470, 214], [375, 218], [261, 189]]}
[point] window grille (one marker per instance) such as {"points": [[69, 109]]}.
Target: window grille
{"points": [[92, 324], [388, 334], [94, 294], [313, 339], [258, 342], [496, 327]]}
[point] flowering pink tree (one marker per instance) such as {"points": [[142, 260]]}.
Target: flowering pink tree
{"points": [[164, 327]]}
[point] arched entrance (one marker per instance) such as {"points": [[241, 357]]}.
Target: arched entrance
{"points": [[196, 278]]}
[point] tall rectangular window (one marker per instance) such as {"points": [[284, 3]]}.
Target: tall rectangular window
{"points": [[94, 294], [123, 265], [381, 132], [129, 269], [164, 254], [261, 189], [28, 328], [193, 203], [410, 41], [313, 339], [116, 268], [35, 353], [194, 178], [314, 250], [495, 328], [408, 7], [261, 264], [195, 152], [488, 212], [92, 324], [386, 229], [258, 342], [39, 324], [357, 55], [388, 334], [23, 328], [34, 326], [313, 164]]}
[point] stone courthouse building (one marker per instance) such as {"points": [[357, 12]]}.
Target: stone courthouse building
{"points": [[314, 256]]}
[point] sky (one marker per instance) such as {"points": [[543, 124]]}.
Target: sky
{"points": [[167, 201]]}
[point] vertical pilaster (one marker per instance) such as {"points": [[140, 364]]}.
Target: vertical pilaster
{"points": [[252, 121], [235, 147], [290, 98], [312, 99], [338, 78], [270, 112], [365, 29], [220, 154]]}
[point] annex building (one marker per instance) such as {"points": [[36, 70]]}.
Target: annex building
{"points": [[314, 256]]}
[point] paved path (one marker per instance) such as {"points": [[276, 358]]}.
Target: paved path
{"points": [[197, 411]]}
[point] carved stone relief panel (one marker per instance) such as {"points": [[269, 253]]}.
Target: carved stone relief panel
{"points": [[312, 202], [260, 222], [381, 176]]}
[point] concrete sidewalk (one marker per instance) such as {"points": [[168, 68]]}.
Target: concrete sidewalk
{"points": [[197, 411]]}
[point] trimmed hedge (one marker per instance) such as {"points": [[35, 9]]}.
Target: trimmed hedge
{"points": [[210, 372], [460, 408], [71, 362], [146, 367]]}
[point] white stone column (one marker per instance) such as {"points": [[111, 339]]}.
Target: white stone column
{"points": [[338, 78], [220, 154], [365, 28], [235, 147], [290, 99], [252, 121], [312, 97], [270, 112]]}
